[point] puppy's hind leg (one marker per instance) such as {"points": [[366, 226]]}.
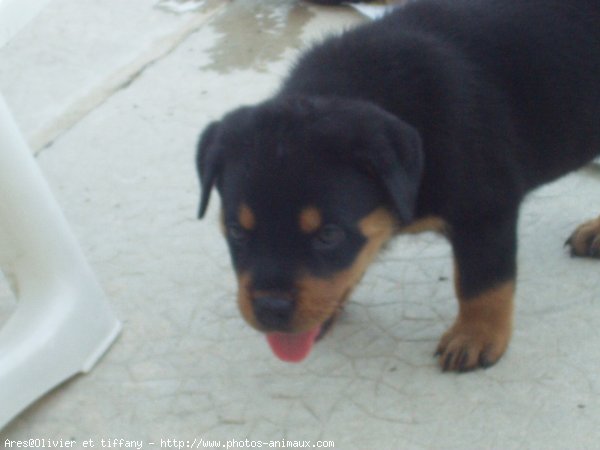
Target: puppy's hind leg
{"points": [[585, 240]]}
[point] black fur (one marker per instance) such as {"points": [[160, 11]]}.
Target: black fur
{"points": [[338, 2]]}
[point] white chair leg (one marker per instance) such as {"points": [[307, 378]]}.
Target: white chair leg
{"points": [[62, 323]]}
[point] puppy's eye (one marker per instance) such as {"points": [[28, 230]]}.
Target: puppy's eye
{"points": [[329, 237], [236, 233]]}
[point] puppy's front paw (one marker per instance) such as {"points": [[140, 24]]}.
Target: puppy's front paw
{"points": [[585, 240], [468, 346], [482, 330]]}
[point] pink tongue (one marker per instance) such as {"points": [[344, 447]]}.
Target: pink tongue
{"points": [[292, 347]]}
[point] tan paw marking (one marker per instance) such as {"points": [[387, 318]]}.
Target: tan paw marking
{"points": [[481, 333], [585, 240]]}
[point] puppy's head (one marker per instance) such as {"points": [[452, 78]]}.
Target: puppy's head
{"points": [[310, 189]]}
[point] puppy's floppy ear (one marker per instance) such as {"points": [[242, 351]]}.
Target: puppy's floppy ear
{"points": [[207, 163], [396, 157], [379, 142]]}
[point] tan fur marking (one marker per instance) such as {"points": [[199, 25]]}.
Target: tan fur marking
{"points": [[429, 223], [320, 298], [222, 222], [245, 300], [482, 330], [310, 220], [246, 217], [494, 308], [585, 240]]}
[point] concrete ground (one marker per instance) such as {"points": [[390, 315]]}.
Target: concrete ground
{"points": [[111, 96]]}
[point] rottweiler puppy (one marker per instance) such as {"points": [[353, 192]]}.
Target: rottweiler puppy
{"points": [[443, 115]]}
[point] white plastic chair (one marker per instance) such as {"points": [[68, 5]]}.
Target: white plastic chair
{"points": [[62, 323]]}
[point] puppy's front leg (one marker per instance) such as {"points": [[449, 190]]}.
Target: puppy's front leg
{"points": [[485, 267]]}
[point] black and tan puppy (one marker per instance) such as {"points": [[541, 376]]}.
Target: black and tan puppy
{"points": [[443, 114]]}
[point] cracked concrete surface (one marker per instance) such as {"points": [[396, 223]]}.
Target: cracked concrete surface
{"points": [[116, 93]]}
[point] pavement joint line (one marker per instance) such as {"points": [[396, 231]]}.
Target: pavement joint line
{"points": [[121, 79]]}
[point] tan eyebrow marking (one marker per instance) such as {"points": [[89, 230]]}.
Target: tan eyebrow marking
{"points": [[310, 219]]}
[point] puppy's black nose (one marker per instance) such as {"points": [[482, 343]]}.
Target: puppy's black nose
{"points": [[274, 313]]}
